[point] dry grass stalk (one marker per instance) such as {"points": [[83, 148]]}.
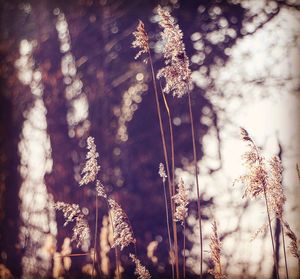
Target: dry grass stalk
{"points": [[90, 172], [177, 76], [140, 270], [181, 212], [215, 249], [91, 167], [141, 44], [81, 230], [163, 175], [123, 234], [259, 183]]}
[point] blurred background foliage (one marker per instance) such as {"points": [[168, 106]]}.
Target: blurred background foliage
{"points": [[68, 71]]}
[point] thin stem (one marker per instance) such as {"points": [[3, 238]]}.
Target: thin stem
{"points": [[95, 236], [168, 227], [271, 233], [284, 252], [184, 249], [268, 211], [115, 248], [166, 163], [172, 162], [197, 182], [171, 140], [118, 262]]}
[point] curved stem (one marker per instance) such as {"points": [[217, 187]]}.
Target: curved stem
{"points": [[197, 182]]}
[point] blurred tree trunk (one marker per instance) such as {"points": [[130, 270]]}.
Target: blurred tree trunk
{"points": [[13, 99], [48, 57]]}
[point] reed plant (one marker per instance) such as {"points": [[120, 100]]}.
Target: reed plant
{"points": [[262, 178]]}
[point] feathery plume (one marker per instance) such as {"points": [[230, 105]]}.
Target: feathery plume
{"points": [[141, 40], [276, 197], [260, 176], [256, 175], [181, 201], [261, 230], [91, 167], [176, 72], [122, 231], [100, 190], [162, 172], [293, 246], [81, 230], [215, 248], [140, 270]]}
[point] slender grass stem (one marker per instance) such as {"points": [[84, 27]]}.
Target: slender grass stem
{"points": [[166, 163], [172, 162], [284, 252], [197, 182], [171, 140], [95, 236], [268, 213], [168, 227], [118, 262], [184, 250], [271, 233], [115, 248]]}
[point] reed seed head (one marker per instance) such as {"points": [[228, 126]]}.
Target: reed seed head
{"points": [[215, 250], [262, 176], [176, 72], [162, 172], [100, 190], [141, 40], [293, 246], [255, 177], [81, 230], [91, 167], [122, 231], [140, 270], [181, 201]]}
